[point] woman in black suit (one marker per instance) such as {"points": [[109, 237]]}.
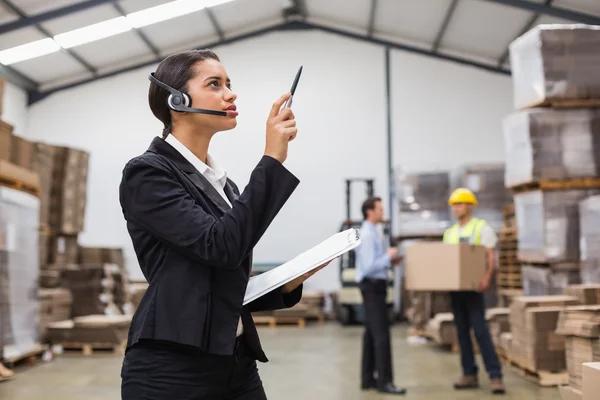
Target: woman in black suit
{"points": [[193, 233]]}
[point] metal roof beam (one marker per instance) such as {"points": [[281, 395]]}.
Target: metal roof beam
{"points": [[292, 25], [530, 24], [373, 12], [46, 16], [18, 78], [557, 12], [138, 32], [444, 27], [8, 4], [215, 23]]}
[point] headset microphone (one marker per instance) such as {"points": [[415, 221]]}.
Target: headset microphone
{"points": [[179, 101]]}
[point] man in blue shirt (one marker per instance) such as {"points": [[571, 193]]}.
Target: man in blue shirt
{"points": [[373, 260]]}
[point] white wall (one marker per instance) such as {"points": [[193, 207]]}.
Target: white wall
{"points": [[340, 109], [14, 108]]}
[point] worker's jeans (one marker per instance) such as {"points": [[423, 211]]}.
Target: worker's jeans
{"points": [[469, 312]]}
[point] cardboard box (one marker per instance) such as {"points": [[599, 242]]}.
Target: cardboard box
{"points": [[22, 152], [436, 266], [13, 172], [591, 381], [5, 140]]}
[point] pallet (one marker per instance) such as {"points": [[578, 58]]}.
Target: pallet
{"points": [[10, 182], [562, 103], [273, 322], [541, 378], [29, 357], [88, 349], [508, 244], [558, 266], [558, 184], [508, 210]]}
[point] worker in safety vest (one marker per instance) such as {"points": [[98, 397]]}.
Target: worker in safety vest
{"points": [[468, 307]]}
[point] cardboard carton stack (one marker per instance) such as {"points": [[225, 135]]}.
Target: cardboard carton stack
{"points": [[535, 345], [553, 63], [588, 294], [95, 330], [423, 203], [486, 181], [581, 327], [589, 242], [552, 154], [55, 305], [115, 270]]}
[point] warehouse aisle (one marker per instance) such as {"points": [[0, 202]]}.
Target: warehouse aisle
{"points": [[318, 362]]}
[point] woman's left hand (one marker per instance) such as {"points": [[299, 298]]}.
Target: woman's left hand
{"points": [[290, 286]]}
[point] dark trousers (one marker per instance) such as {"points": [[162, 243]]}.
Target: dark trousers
{"points": [[376, 352], [154, 370], [469, 312]]}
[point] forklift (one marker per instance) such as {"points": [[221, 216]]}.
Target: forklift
{"points": [[350, 305]]}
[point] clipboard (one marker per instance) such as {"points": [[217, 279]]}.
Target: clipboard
{"points": [[327, 250]]}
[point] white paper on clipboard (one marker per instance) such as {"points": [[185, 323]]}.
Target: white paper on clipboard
{"points": [[325, 251]]}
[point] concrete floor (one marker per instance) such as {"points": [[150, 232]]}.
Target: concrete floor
{"points": [[318, 362]]}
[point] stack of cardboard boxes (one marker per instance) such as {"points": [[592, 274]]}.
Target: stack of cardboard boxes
{"points": [[552, 154], [535, 344], [580, 325]]}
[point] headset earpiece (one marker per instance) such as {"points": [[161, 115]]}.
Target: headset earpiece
{"points": [[175, 101], [179, 101]]}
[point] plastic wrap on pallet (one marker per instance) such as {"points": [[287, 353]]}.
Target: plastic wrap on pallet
{"points": [[538, 281], [555, 61], [19, 272], [486, 181], [423, 202], [551, 144], [589, 239], [548, 224]]}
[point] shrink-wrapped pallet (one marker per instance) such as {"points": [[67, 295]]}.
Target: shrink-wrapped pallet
{"points": [[548, 224], [549, 144], [423, 202], [589, 242], [19, 272], [552, 62]]}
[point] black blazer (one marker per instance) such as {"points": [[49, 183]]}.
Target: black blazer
{"points": [[196, 251]]}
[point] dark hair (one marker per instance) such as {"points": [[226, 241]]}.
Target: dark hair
{"points": [[175, 70], [369, 204]]}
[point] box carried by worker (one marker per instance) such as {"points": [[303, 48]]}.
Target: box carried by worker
{"points": [[438, 266]]}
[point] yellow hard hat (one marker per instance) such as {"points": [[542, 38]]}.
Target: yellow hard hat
{"points": [[462, 195]]}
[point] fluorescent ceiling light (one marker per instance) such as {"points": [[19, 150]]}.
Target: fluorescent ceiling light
{"points": [[104, 29], [28, 51], [170, 10], [93, 32]]}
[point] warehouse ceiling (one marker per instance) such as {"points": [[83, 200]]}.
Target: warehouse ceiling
{"points": [[46, 46]]}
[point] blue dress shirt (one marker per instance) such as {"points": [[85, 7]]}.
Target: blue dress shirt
{"points": [[372, 259]]}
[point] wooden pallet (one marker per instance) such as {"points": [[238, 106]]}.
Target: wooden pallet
{"points": [[508, 211], [12, 183], [88, 349], [509, 244], [558, 266], [273, 322], [559, 103], [541, 378], [555, 184]]}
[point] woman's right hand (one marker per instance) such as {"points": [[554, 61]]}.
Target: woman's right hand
{"points": [[281, 129]]}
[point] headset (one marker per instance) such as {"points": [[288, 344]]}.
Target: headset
{"points": [[179, 101]]}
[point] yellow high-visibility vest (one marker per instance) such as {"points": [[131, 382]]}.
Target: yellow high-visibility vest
{"points": [[470, 233]]}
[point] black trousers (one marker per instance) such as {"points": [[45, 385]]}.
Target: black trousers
{"points": [[154, 370], [377, 352], [469, 312]]}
